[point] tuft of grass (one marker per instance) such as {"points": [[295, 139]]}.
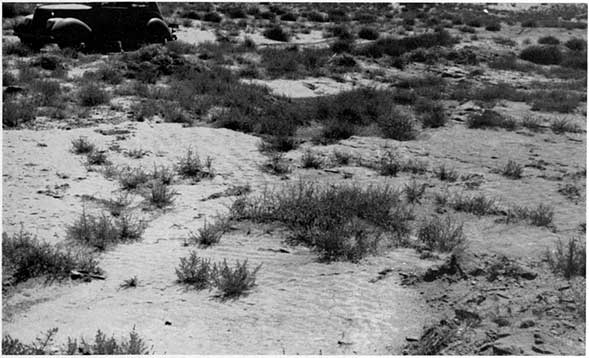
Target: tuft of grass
{"points": [[234, 282], [195, 271], [130, 283], [542, 215], [311, 160], [443, 235], [131, 179], [477, 204], [490, 119], [276, 164], [92, 94], [210, 234], [390, 164], [563, 125], [512, 170], [190, 166], [568, 259], [163, 174], [118, 205], [532, 123], [25, 257], [161, 195], [447, 174], [414, 191], [97, 157], [102, 231], [82, 145]]}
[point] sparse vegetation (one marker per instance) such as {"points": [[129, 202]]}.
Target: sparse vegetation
{"points": [[132, 178], [101, 232], [568, 259], [210, 234], [476, 204], [441, 234], [490, 119], [542, 55], [234, 282], [82, 145], [276, 164], [512, 170], [276, 33], [311, 160], [25, 257], [414, 192], [161, 195], [190, 166], [195, 271], [563, 125], [447, 174], [91, 95]]}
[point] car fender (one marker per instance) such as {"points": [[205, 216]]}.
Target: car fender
{"points": [[60, 25], [158, 26]]}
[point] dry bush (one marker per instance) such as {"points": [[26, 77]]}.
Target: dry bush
{"points": [[444, 235], [190, 166], [195, 271], [234, 282], [568, 259]]}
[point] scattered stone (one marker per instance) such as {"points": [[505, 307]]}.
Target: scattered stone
{"points": [[450, 267], [540, 350], [411, 339], [168, 323]]}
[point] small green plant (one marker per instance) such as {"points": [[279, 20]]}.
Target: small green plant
{"points": [[568, 259], [82, 145], [195, 271], [390, 164], [190, 166], [443, 235], [210, 234], [161, 195], [414, 192], [130, 283], [512, 170], [276, 164], [131, 179], [234, 282], [97, 157], [311, 160], [447, 174]]}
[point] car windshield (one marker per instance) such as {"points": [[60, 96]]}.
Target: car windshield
{"points": [[129, 5]]}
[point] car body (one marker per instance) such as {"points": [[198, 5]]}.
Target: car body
{"points": [[94, 25]]}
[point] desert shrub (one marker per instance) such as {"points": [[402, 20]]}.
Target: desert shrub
{"points": [[447, 174], [97, 157], [341, 46], [190, 166], [234, 282], [493, 26], [334, 130], [25, 257], [568, 259], [276, 33], [315, 16], [48, 92], [236, 12], [511, 63], [210, 234], [504, 41], [163, 174], [212, 17], [12, 346], [512, 170], [489, 119], [476, 204], [91, 95], [279, 143], [311, 160], [563, 125], [368, 33], [529, 23], [576, 44], [414, 191], [339, 222], [130, 179], [161, 195], [294, 63], [102, 231], [415, 166], [439, 234], [276, 164], [337, 15], [108, 346], [398, 125], [342, 158], [575, 60], [267, 15], [389, 164], [82, 145], [541, 215], [8, 79], [548, 40], [542, 55], [396, 47], [117, 206], [532, 123], [432, 113], [195, 271], [556, 101], [16, 48], [16, 112], [467, 29], [289, 16], [492, 92]]}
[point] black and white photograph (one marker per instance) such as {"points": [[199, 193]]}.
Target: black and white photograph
{"points": [[294, 178]]}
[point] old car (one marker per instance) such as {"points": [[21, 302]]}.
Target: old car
{"points": [[94, 25]]}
